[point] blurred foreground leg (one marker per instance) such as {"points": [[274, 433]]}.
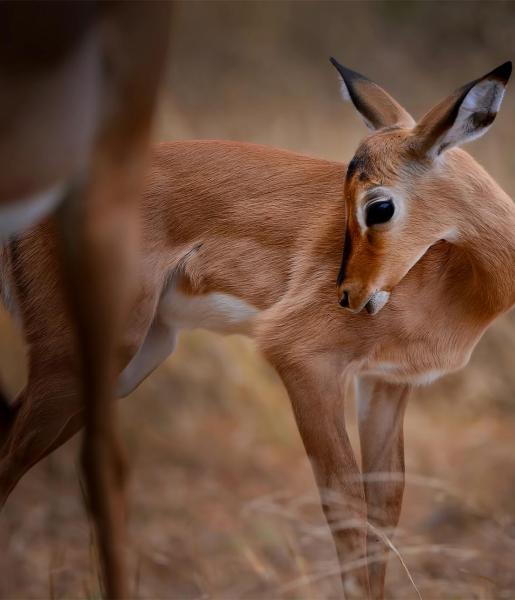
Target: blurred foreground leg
{"points": [[98, 228]]}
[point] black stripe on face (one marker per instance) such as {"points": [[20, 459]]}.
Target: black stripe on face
{"points": [[357, 164], [347, 249], [352, 168], [360, 165]]}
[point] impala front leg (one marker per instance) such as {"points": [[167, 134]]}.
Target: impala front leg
{"points": [[315, 394], [381, 408]]}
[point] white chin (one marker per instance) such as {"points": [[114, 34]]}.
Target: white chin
{"points": [[376, 302]]}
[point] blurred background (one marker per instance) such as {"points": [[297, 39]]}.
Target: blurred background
{"points": [[223, 503]]}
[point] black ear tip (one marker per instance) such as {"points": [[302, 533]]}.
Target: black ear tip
{"points": [[502, 72], [340, 68], [508, 67], [348, 74]]}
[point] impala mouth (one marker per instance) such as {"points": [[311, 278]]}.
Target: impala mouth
{"points": [[372, 305], [377, 302]]}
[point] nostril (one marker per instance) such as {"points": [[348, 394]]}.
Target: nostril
{"points": [[344, 302]]}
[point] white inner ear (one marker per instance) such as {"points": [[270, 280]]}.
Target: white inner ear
{"points": [[483, 100], [344, 90], [486, 96]]}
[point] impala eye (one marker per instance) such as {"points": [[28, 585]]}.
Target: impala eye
{"points": [[379, 212]]}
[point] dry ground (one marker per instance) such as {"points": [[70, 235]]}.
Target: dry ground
{"points": [[223, 503]]}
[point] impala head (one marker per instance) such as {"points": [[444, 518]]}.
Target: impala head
{"points": [[397, 185]]}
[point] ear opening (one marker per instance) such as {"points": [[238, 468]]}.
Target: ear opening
{"points": [[377, 108], [465, 115]]}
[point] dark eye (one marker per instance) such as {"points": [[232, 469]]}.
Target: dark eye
{"points": [[379, 212]]}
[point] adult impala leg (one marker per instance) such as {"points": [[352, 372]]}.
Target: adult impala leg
{"points": [[98, 271], [102, 214], [317, 400], [381, 408]]}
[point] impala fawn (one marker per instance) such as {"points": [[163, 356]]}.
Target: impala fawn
{"points": [[249, 239], [78, 85]]}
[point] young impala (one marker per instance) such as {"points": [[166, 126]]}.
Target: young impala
{"points": [[244, 238]]}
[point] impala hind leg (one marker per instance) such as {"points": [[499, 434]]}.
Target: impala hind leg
{"points": [[317, 401], [48, 413], [381, 408]]}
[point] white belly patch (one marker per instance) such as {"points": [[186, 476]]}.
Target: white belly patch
{"points": [[218, 312]]}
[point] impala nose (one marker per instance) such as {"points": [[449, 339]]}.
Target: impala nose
{"points": [[344, 301]]}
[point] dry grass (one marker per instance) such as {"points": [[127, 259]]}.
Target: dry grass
{"points": [[223, 503]]}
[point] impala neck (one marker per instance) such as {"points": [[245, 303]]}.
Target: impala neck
{"points": [[486, 234]]}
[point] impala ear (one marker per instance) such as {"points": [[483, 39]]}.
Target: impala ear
{"points": [[377, 108], [465, 115]]}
